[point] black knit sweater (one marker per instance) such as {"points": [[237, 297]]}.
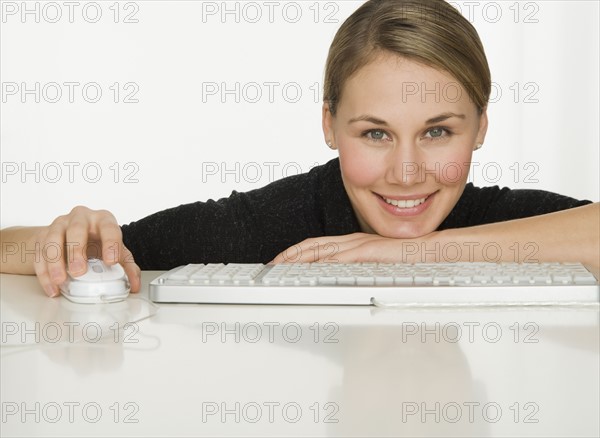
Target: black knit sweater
{"points": [[255, 226]]}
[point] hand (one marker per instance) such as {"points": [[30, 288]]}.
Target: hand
{"points": [[71, 239], [350, 248]]}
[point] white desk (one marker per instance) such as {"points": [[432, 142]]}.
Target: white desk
{"points": [[182, 372]]}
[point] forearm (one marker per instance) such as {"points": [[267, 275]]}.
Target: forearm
{"points": [[19, 249], [566, 236]]}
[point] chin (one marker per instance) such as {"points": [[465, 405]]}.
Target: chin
{"points": [[404, 232]]}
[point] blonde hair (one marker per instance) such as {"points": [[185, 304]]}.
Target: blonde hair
{"points": [[431, 32]]}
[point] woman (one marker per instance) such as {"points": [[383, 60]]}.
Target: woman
{"points": [[405, 103]]}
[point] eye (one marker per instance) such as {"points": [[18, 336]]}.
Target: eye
{"points": [[438, 132], [375, 135]]}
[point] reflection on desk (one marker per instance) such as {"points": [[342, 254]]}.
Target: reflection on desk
{"points": [[134, 368]]}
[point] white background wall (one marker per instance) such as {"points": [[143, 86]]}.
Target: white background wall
{"points": [[163, 147]]}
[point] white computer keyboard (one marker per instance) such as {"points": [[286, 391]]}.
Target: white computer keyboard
{"points": [[378, 283]]}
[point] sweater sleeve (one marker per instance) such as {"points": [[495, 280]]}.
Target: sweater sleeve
{"points": [[251, 227], [484, 205]]}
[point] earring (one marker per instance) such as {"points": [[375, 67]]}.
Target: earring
{"points": [[478, 146], [330, 144]]}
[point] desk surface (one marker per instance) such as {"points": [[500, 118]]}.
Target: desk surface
{"points": [[212, 370]]}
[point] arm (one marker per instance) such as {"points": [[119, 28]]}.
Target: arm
{"points": [[65, 245], [247, 227], [565, 236], [16, 242]]}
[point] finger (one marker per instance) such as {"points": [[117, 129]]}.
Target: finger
{"points": [[47, 284], [321, 249], [114, 251], [52, 252], [352, 255], [111, 239], [369, 250], [76, 244], [299, 253], [289, 255], [133, 271], [336, 251], [41, 271]]}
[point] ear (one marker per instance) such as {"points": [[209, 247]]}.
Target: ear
{"points": [[327, 122], [483, 126]]}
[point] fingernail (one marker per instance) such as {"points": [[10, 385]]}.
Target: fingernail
{"points": [[76, 266], [50, 291]]}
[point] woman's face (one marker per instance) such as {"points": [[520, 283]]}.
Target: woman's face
{"points": [[405, 134]]}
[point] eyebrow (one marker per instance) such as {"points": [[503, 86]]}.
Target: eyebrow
{"points": [[368, 118], [444, 116], [431, 121]]}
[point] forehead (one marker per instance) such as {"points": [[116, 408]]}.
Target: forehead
{"points": [[391, 84]]}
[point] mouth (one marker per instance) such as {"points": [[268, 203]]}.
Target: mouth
{"points": [[406, 205]]}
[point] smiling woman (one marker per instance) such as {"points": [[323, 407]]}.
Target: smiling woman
{"points": [[405, 104], [405, 165], [406, 90]]}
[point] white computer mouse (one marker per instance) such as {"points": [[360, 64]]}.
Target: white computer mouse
{"points": [[100, 284]]}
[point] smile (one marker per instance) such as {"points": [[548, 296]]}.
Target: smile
{"points": [[406, 206], [405, 203]]}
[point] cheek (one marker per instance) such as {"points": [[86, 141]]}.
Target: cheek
{"points": [[453, 172], [452, 169], [359, 168]]}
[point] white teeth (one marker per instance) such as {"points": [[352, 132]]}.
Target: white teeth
{"points": [[405, 203]]}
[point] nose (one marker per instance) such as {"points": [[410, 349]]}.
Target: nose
{"points": [[405, 164]]}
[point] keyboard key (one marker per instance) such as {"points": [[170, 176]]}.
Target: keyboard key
{"points": [[365, 281], [542, 279], [327, 280], [184, 273], [423, 279], [243, 277], [307, 281], [482, 279], [346, 280], [270, 281], [502, 279], [387, 281], [584, 278], [462, 280], [562, 278], [442, 280], [522, 279], [403, 280], [289, 281]]}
